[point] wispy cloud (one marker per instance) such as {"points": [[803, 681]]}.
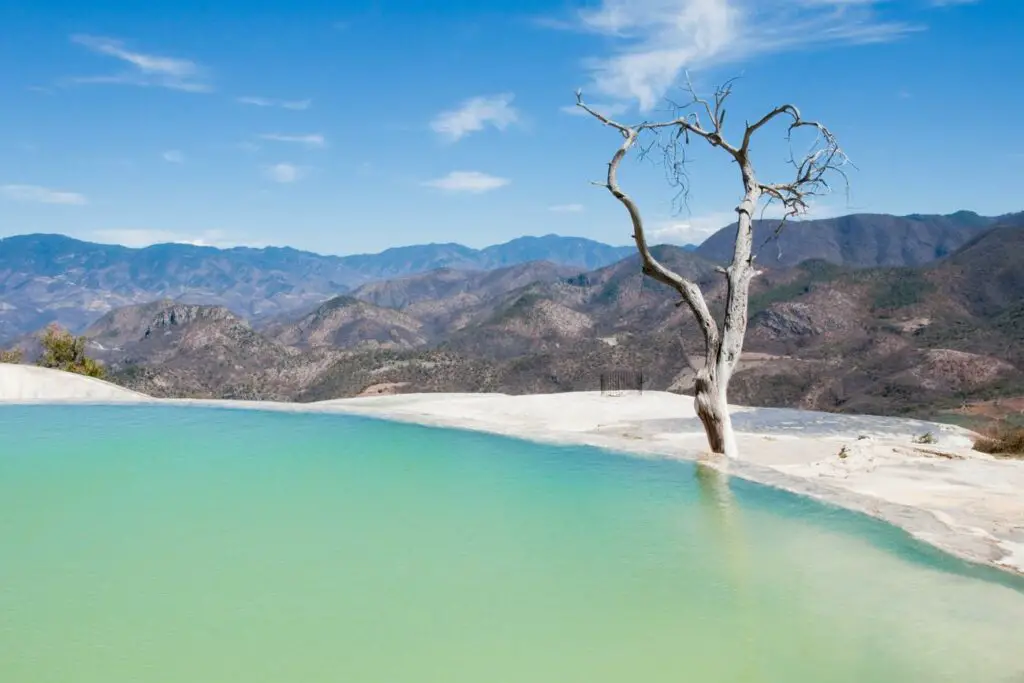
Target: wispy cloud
{"points": [[283, 172], [691, 230], [472, 182], [294, 105], [144, 237], [173, 156], [144, 69], [40, 195], [310, 140], [656, 40], [566, 208], [697, 228], [474, 115]]}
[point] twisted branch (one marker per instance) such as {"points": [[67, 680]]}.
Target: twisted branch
{"points": [[688, 290], [824, 157]]}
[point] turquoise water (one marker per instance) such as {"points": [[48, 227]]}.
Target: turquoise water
{"points": [[195, 545]]}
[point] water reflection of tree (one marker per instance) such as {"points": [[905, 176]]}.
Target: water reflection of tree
{"points": [[752, 596], [719, 505], [724, 519]]}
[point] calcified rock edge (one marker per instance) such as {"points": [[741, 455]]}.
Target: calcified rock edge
{"points": [[966, 503]]}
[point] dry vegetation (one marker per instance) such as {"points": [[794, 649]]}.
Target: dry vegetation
{"points": [[14, 356], [1003, 440]]}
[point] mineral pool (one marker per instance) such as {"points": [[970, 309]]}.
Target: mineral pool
{"points": [[172, 544]]}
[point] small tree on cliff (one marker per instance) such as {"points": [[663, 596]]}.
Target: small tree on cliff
{"points": [[64, 351], [703, 119]]}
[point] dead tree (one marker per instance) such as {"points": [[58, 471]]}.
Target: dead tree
{"points": [[703, 119]]}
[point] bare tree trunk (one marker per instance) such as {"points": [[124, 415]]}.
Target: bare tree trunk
{"points": [[713, 411], [712, 406], [711, 387]]}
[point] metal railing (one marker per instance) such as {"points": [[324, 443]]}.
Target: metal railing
{"points": [[617, 382]]}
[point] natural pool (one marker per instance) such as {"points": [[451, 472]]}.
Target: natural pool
{"points": [[199, 545]]}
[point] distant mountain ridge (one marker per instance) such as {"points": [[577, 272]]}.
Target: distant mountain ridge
{"points": [[568, 251], [46, 278], [859, 240]]}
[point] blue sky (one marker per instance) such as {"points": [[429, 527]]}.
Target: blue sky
{"points": [[348, 127]]}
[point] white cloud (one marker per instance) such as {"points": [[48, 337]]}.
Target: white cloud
{"points": [[283, 172], [144, 237], [474, 115], [473, 182], [691, 230], [173, 156], [566, 208], [145, 69], [41, 195], [311, 140], [656, 40], [295, 105], [696, 229]]}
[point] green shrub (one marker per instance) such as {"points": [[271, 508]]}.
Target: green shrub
{"points": [[64, 351]]}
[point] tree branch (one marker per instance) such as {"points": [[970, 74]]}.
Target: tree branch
{"points": [[599, 116], [824, 157], [778, 111], [687, 289], [689, 122]]}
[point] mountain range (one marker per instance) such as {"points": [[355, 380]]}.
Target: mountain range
{"points": [[858, 240], [47, 278], [53, 278], [907, 338]]}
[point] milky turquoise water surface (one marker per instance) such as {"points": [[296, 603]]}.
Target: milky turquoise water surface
{"points": [[196, 545]]}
